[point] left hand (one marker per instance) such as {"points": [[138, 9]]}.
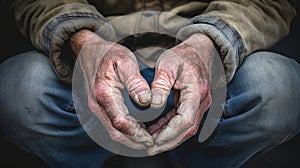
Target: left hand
{"points": [[185, 68]]}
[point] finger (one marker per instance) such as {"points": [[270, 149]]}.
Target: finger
{"points": [[128, 126], [156, 149], [111, 101], [119, 136], [130, 76], [156, 127], [188, 109], [143, 125], [176, 96], [113, 133], [182, 137], [165, 76]]}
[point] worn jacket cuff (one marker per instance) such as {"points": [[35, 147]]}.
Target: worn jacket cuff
{"points": [[59, 30], [227, 39]]}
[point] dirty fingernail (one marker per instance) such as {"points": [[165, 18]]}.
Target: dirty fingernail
{"points": [[144, 97], [157, 99]]}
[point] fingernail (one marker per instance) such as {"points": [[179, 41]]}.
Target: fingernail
{"points": [[144, 97], [157, 99]]}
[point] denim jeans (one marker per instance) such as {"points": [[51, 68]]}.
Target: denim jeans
{"points": [[262, 110]]}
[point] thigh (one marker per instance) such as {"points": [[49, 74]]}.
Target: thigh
{"points": [[37, 113]]}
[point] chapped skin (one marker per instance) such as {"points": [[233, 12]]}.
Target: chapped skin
{"points": [[184, 68], [108, 67]]}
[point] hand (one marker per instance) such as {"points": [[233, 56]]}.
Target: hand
{"points": [[107, 68], [184, 68]]}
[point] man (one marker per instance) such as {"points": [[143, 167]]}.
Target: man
{"points": [[260, 112]]}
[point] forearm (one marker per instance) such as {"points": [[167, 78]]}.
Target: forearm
{"points": [[80, 38]]}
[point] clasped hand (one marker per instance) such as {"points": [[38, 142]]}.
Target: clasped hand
{"points": [[184, 69]]}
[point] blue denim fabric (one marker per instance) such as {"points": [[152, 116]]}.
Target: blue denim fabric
{"points": [[262, 111]]}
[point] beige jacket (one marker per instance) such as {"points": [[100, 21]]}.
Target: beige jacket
{"points": [[238, 27]]}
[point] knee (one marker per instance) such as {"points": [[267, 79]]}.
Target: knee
{"points": [[273, 79], [272, 76], [22, 89]]}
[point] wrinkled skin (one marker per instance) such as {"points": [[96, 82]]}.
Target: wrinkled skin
{"points": [[185, 69], [108, 67]]}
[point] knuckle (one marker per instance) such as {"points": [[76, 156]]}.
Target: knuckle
{"points": [[99, 87], [115, 136], [163, 80], [118, 122], [122, 53], [92, 106], [188, 121], [192, 131], [102, 95], [206, 97], [122, 125], [136, 84], [204, 89]]}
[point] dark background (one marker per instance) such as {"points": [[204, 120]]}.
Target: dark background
{"points": [[12, 43]]}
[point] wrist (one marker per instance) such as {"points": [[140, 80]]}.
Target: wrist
{"points": [[205, 48], [79, 38]]}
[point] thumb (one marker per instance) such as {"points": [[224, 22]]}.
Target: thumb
{"points": [[161, 86], [136, 85]]}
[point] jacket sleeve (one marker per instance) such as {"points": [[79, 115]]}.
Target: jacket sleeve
{"points": [[239, 28], [49, 24]]}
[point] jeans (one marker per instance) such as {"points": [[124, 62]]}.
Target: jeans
{"points": [[262, 110]]}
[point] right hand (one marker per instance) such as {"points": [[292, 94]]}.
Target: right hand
{"points": [[107, 68]]}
